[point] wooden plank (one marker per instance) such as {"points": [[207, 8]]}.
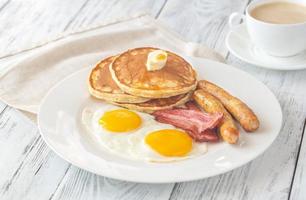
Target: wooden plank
{"points": [[4, 4], [269, 176], [201, 21], [35, 21], [298, 191], [29, 169], [79, 184], [2, 106]]}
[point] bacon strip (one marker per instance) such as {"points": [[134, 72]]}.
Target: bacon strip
{"points": [[193, 120], [192, 106], [206, 136], [197, 123]]}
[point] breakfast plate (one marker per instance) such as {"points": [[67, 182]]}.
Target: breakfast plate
{"points": [[239, 44], [61, 126]]}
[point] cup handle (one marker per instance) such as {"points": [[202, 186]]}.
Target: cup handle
{"points": [[231, 22], [233, 17]]}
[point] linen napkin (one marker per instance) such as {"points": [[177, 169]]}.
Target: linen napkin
{"points": [[26, 76]]}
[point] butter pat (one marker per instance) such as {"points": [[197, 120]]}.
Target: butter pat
{"points": [[156, 60]]}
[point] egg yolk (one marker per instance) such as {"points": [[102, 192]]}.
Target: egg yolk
{"points": [[120, 120], [169, 142]]}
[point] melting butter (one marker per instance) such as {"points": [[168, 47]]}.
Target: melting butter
{"points": [[156, 60]]}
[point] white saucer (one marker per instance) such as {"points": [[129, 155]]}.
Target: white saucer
{"points": [[239, 44]]}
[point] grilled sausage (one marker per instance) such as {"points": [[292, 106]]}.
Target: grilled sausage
{"points": [[240, 111], [227, 128]]}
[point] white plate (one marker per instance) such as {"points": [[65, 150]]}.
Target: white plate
{"points": [[60, 126], [239, 44]]}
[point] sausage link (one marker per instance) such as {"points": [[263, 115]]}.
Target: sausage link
{"points": [[240, 111], [227, 128]]}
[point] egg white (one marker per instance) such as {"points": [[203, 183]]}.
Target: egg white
{"points": [[131, 145]]}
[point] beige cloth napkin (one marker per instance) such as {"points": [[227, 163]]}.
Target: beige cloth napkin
{"points": [[26, 76]]}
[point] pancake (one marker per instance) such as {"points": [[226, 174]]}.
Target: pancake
{"points": [[157, 104], [102, 86], [129, 72]]}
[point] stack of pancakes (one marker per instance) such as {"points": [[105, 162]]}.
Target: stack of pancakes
{"points": [[124, 80]]}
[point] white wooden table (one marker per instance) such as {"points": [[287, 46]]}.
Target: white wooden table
{"points": [[30, 170]]}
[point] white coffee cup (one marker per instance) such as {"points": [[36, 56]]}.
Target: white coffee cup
{"points": [[275, 39]]}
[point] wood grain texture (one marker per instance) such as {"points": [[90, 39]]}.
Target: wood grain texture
{"points": [[36, 21], [79, 184], [30, 170], [298, 191], [26, 161], [201, 21], [2, 107]]}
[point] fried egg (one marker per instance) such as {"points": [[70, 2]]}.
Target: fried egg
{"points": [[137, 136]]}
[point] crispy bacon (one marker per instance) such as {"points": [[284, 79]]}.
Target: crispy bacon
{"points": [[209, 135], [192, 106], [198, 124], [196, 121]]}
